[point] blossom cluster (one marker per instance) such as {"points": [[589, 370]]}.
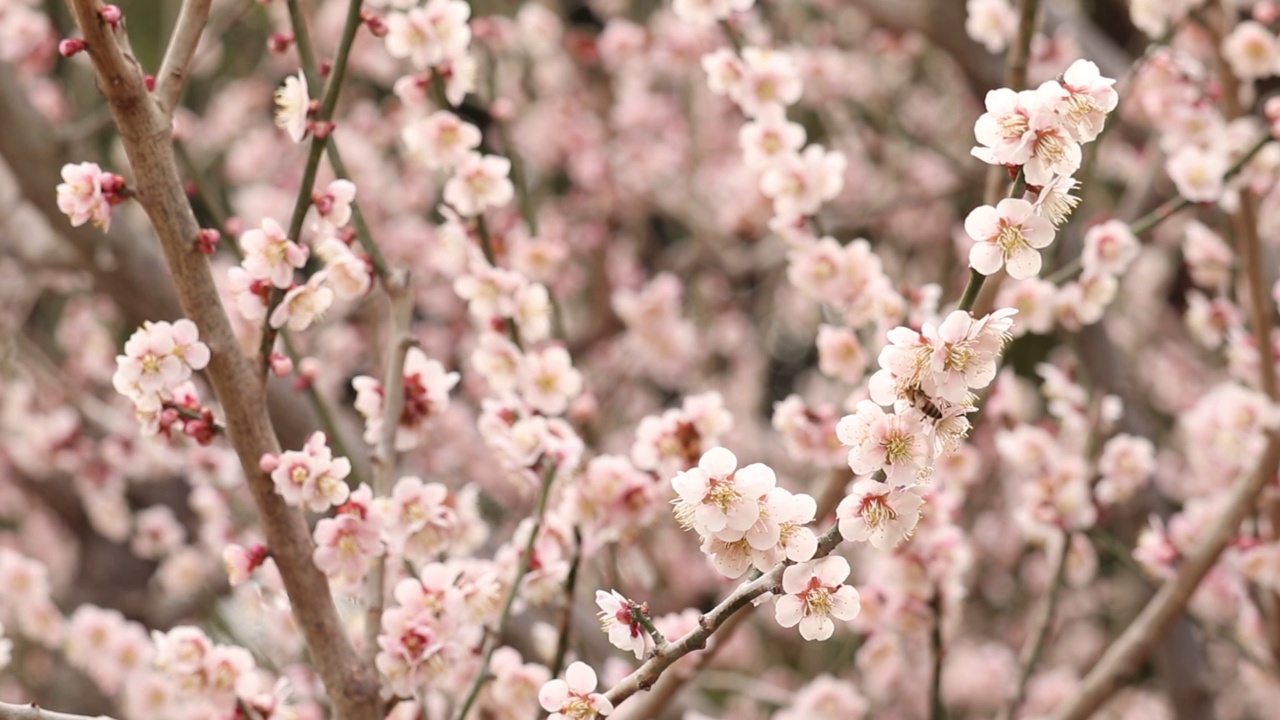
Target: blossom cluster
{"points": [[155, 368]]}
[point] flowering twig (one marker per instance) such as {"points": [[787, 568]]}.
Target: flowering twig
{"points": [[1127, 652], [400, 339], [34, 712], [146, 134], [522, 568], [696, 639], [192, 18], [1032, 652], [328, 104]]}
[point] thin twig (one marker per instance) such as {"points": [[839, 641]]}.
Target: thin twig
{"points": [[400, 339], [1032, 652], [696, 639], [522, 568], [937, 708], [565, 629], [192, 18]]}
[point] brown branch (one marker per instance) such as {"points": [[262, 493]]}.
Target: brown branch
{"points": [[192, 18], [1127, 653], [696, 639], [400, 339], [34, 712], [145, 131]]}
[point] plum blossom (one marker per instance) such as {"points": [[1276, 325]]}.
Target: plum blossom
{"points": [[85, 194], [421, 519], [334, 204], [1198, 173], [303, 304], [1252, 51], [311, 477], [716, 495], [898, 444], [799, 183], [1109, 248], [1090, 98], [814, 593], [548, 381], [440, 140], [426, 395], [429, 35], [346, 274], [348, 543], [271, 256], [991, 23], [293, 104], [1007, 235], [157, 358], [240, 562], [574, 698], [618, 619], [769, 138], [479, 182], [879, 513]]}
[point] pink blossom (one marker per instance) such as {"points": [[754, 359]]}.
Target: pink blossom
{"points": [[1252, 51], [616, 617], [814, 594], [707, 12], [574, 698], [898, 444], [771, 78], [440, 140], [80, 195], [156, 532], [798, 184], [241, 562], [303, 304], [269, 255], [429, 35], [840, 354], [426, 395], [312, 477], [334, 204], [1091, 97], [479, 182], [1007, 234], [879, 513], [1109, 248], [1199, 174], [769, 138], [548, 381], [348, 543], [991, 23], [715, 495], [420, 518]]}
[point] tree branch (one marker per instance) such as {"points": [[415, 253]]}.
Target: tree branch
{"points": [[33, 712], [182, 47], [1127, 653], [696, 639], [145, 131]]}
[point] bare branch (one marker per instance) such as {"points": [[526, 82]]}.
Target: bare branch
{"points": [[1127, 653], [145, 131], [182, 47]]}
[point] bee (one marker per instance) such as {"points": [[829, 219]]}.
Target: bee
{"points": [[921, 402]]}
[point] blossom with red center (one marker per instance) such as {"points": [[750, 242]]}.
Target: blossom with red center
{"points": [[271, 256], [618, 619], [426, 395]]}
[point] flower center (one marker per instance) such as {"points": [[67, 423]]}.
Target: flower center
{"points": [[875, 511], [722, 494], [1010, 237]]}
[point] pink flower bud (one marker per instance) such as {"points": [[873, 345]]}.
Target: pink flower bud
{"points": [[377, 26], [111, 15], [280, 42], [326, 67], [268, 462], [207, 241], [281, 366], [321, 130], [71, 46], [150, 82]]}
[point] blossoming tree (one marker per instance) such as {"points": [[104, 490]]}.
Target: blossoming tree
{"points": [[400, 359]]}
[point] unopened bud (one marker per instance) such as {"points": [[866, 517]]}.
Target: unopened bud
{"points": [[281, 366], [111, 15], [322, 129], [71, 47], [280, 42], [268, 462], [377, 26], [150, 82], [207, 240]]}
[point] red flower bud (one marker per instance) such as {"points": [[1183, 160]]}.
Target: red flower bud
{"points": [[71, 46]]}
